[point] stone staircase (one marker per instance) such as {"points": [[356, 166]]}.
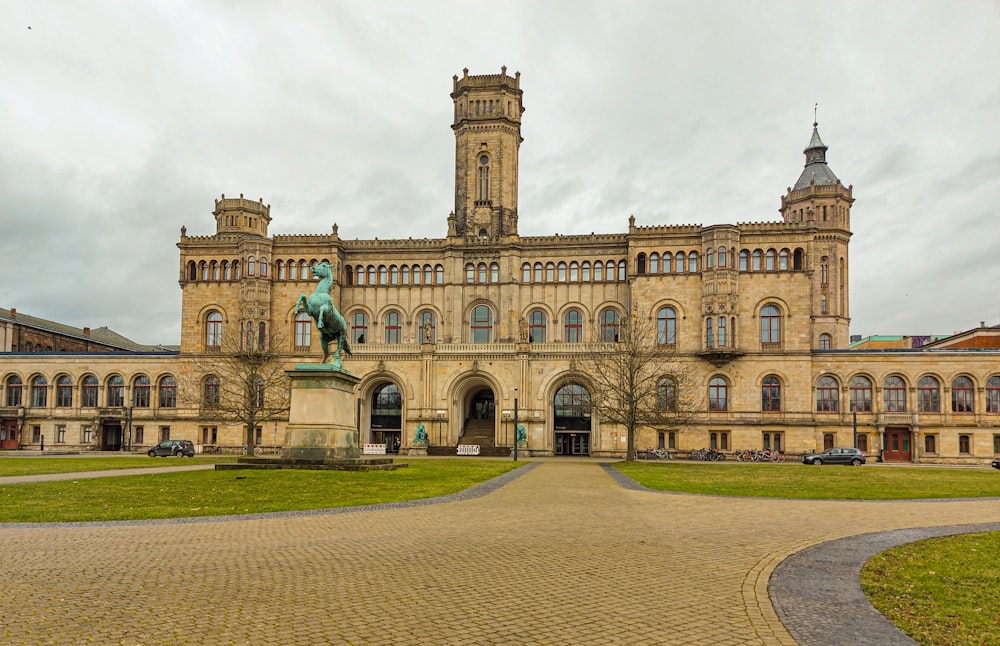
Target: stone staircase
{"points": [[477, 431]]}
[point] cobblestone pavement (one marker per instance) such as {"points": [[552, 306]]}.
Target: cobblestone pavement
{"points": [[561, 555]]}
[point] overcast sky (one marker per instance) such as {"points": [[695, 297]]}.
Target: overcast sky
{"points": [[122, 121]]}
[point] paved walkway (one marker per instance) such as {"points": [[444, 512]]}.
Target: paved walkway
{"points": [[561, 555]]}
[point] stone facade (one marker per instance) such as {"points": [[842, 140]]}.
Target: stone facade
{"points": [[458, 332]]}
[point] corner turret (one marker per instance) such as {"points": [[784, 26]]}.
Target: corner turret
{"points": [[239, 215]]}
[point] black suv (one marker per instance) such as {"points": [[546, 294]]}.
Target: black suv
{"points": [[854, 457], [173, 447]]}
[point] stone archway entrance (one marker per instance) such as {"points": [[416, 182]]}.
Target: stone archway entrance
{"points": [[571, 420]]}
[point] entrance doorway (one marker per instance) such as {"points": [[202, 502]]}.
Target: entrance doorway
{"points": [[571, 420], [8, 434], [897, 445], [111, 436], [482, 405], [387, 417]]}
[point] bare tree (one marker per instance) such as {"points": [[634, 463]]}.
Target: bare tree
{"points": [[242, 383], [639, 380]]}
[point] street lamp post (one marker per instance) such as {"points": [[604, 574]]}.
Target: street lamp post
{"points": [[515, 425], [440, 416], [854, 415]]}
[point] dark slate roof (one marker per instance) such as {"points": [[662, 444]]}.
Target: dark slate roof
{"points": [[101, 335], [816, 171]]}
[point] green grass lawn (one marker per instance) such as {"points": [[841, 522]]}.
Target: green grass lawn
{"points": [[24, 466], [219, 493], [793, 480], [940, 591]]}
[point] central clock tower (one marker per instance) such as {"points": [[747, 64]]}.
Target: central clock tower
{"points": [[487, 127]]}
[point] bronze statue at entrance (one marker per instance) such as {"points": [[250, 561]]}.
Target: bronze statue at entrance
{"points": [[329, 322]]}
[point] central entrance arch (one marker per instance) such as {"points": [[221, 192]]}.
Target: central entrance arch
{"points": [[571, 421], [482, 405]]}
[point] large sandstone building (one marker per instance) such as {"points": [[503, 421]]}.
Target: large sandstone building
{"points": [[459, 332]]}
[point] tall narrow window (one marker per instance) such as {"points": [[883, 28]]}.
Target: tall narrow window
{"points": [[494, 272], [393, 328], [210, 396], [251, 266], [598, 271], [470, 273], [585, 271], [573, 327], [666, 326], [709, 335], [610, 321], [168, 392], [718, 394], [654, 263], [757, 255], [416, 274], [574, 272], [894, 392], [141, 391], [481, 325], [962, 394], [116, 391], [439, 274], [827, 395], [64, 391], [39, 392], [88, 393], [550, 272], [825, 342], [721, 331], [723, 259], [861, 394], [666, 394], [481, 271], [928, 395], [679, 262], [824, 270], [770, 394], [359, 327], [993, 395], [770, 325], [526, 273], [769, 260], [213, 330], [622, 270], [405, 270], [693, 262], [668, 263], [303, 330], [393, 275], [562, 272], [13, 394], [483, 186], [537, 327], [783, 256]]}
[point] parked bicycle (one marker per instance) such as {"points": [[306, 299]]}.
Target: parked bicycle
{"points": [[654, 454], [760, 455], [708, 455]]}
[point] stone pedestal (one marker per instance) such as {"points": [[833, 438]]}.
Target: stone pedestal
{"points": [[321, 420], [418, 448]]}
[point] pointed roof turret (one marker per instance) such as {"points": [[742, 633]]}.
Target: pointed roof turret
{"points": [[816, 171]]}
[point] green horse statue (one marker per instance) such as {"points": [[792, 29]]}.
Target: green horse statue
{"points": [[329, 322]]}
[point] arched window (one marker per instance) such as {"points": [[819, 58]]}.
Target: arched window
{"points": [[574, 272], [744, 260], [88, 393], [562, 272], [550, 272], [470, 272], [227, 271], [251, 266], [539, 272], [64, 391], [116, 391], [770, 325], [359, 275], [962, 394], [168, 392], [710, 258], [640, 264], [769, 260], [236, 270], [416, 274], [993, 396], [526, 273], [783, 256], [693, 262], [666, 394], [141, 391], [257, 392], [405, 270], [211, 391], [282, 275], [610, 322], [585, 271], [263, 267], [303, 330], [13, 389], [39, 392], [372, 280], [481, 272], [770, 394], [797, 257], [215, 270], [894, 392], [537, 326], [654, 263], [393, 328], [598, 271], [723, 260], [622, 270], [387, 407], [359, 327], [439, 274], [721, 331], [571, 408], [718, 394], [679, 262], [928, 395], [213, 330], [757, 255], [666, 326], [668, 263], [824, 270], [825, 342], [827, 395], [483, 185], [192, 270], [573, 327], [709, 335], [393, 275], [203, 267], [481, 325], [861, 394], [426, 327], [383, 275], [304, 270]]}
